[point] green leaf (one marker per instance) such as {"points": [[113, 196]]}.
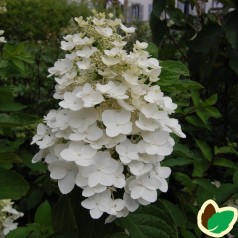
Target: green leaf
{"points": [[43, 214], [210, 101], [12, 185], [177, 162], [20, 232], [153, 50], [224, 192], [173, 69], [176, 213], [225, 150], [151, 221], [225, 163], [212, 112], [231, 28], [206, 184], [184, 179], [195, 97], [220, 221], [195, 121], [205, 149], [200, 168], [183, 150], [17, 119], [11, 107]]}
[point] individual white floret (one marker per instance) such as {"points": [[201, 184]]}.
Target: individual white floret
{"points": [[113, 89], [2, 38], [71, 101], [86, 52], [98, 204], [161, 173], [144, 187], [65, 172], [61, 67], [79, 152], [104, 31], [127, 151], [89, 96], [156, 143], [117, 122], [127, 29], [82, 119]]}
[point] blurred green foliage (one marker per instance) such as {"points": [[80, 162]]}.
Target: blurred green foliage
{"points": [[205, 163]]}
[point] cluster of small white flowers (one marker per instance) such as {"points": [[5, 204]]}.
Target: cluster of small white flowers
{"points": [[113, 126], [7, 217], [2, 38]]}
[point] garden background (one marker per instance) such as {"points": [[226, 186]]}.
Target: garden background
{"points": [[199, 59]]}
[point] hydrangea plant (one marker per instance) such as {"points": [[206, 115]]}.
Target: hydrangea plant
{"points": [[113, 125]]}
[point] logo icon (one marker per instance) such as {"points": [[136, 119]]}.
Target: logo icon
{"points": [[215, 221]]}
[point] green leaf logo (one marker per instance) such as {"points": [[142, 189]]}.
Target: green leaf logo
{"points": [[215, 221]]}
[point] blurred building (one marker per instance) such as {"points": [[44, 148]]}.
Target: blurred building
{"points": [[139, 10]]}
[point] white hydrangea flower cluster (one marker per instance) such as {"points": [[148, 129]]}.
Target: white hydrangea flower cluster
{"points": [[7, 217], [113, 126], [2, 38]]}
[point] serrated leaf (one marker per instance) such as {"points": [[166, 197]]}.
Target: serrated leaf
{"points": [[220, 221], [12, 185], [150, 221]]}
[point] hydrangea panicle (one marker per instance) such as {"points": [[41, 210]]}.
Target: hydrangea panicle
{"points": [[113, 125]]}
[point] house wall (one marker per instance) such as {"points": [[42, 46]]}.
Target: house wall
{"points": [[145, 8]]}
